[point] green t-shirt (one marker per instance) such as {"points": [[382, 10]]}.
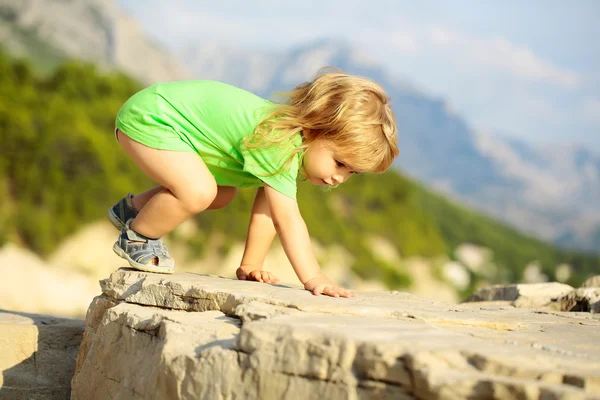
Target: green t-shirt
{"points": [[212, 119]]}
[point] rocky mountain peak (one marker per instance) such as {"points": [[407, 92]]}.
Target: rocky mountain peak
{"points": [[92, 30]]}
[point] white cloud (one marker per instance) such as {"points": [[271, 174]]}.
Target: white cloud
{"points": [[500, 54]]}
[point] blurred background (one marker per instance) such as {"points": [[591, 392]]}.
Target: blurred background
{"points": [[497, 103]]}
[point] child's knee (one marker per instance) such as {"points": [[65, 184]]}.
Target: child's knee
{"points": [[198, 198]]}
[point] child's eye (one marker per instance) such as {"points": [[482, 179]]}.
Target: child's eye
{"points": [[340, 164]]}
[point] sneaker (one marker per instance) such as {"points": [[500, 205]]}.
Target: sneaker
{"points": [[140, 251], [122, 212]]}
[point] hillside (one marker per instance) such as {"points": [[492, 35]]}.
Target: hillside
{"points": [[60, 167]]}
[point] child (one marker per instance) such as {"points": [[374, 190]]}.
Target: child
{"points": [[200, 140]]}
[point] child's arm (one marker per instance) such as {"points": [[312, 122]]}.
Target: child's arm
{"points": [[292, 231], [260, 236]]}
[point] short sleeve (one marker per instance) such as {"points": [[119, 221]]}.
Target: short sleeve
{"points": [[269, 165]]}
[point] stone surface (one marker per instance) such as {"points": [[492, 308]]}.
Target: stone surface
{"points": [[37, 355], [592, 282], [582, 299], [196, 336], [30, 285], [64, 283], [528, 295], [552, 296]]}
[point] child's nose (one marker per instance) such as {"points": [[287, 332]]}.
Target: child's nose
{"points": [[337, 179]]}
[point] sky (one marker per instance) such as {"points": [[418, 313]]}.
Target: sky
{"points": [[526, 69]]}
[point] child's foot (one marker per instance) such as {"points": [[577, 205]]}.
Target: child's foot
{"points": [[150, 255], [122, 212]]}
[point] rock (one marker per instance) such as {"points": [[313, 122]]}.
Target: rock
{"points": [[582, 299], [65, 282], [457, 274], [37, 355], [425, 283], [563, 272], [192, 336], [97, 31], [524, 295], [533, 273], [473, 257], [29, 284], [591, 282]]}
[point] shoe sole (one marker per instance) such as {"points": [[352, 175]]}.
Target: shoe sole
{"points": [[115, 220], [141, 267]]}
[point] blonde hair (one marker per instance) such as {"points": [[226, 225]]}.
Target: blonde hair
{"points": [[351, 113]]}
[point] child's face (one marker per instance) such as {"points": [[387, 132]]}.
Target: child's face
{"points": [[322, 167]]}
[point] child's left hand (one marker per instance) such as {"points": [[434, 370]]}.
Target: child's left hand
{"points": [[255, 273]]}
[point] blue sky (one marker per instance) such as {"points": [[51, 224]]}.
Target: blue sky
{"points": [[528, 69]]}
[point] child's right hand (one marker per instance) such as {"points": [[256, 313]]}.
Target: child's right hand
{"points": [[322, 285], [294, 237]]}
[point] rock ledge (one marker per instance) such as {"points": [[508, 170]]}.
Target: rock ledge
{"points": [[199, 336]]}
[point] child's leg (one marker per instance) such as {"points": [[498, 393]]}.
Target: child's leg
{"points": [[224, 196], [189, 187], [139, 200]]}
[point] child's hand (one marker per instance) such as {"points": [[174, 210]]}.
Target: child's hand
{"points": [[322, 285], [255, 273]]}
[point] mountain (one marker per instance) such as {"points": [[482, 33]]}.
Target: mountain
{"points": [[549, 191], [51, 31]]}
